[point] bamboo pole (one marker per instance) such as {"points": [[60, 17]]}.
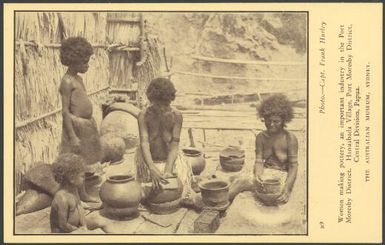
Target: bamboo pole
{"points": [[123, 20], [236, 77], [111, 47], [233, 128], [51, 113], [251, 62]]}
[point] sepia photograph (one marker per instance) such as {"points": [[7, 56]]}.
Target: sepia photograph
{"points": [[160, 122]]}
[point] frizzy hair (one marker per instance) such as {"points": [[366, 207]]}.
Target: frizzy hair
{"points": [[161, 90], [276, 105], [75, 50], [66, 166]]}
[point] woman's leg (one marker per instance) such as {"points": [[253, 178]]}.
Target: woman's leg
{"points": [[241, 184]]}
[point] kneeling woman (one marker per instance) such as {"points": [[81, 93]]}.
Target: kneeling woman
{"points": [[276, 150], [160, 125]]}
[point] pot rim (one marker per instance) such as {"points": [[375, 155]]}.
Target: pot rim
{"points": [[120, 178], [197, 152], [201, 185]]}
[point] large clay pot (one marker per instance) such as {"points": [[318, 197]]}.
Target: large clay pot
{"points": [[113, 147], [215, 192], [195, 158], [121, 195], [232, 159], [122, 124], [168, 199]]}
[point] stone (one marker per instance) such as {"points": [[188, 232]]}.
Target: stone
{"points": [[207, 222]]}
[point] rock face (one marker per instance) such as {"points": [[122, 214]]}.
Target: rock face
{"points": [[248, 36]]}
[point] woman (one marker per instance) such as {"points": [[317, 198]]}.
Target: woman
{"points": [[80, 135], [276, 149], [160, 125]]}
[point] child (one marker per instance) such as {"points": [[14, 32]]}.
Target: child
{"points": [[80, 134], [67, 214]]}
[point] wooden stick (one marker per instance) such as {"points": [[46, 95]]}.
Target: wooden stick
{"points": [[236, 77], [119, 47], [190, 135], [250, 62], [123, 20], [234, 128]]}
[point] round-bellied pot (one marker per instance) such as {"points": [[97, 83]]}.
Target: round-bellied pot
{"points": [[268, 199], [196, 159], [232, 159], [122, 124], [121, 195], [168, 199], [214, 192]]}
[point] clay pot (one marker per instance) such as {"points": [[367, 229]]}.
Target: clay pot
{"points": [[268, 199], [113, 147], [196, 159], [121, 195], [214, 192], [170, 192], [122, 124], [269, 186], [232, 159], [168, 199]]}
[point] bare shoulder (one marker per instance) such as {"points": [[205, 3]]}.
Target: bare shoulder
{"points": [[178, 115], [260, 136], [67, 82], [60, 199], [291, 137]]}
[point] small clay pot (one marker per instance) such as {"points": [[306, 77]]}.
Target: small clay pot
{"points": [[121, 195], [195, 157], [214, 192], [231, 164], [269, 186], [232, 159], [268, 199]]}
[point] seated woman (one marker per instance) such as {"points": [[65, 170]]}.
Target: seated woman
{"points": [[160, 125], [276, 149]]}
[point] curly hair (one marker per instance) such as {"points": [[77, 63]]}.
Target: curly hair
{"points": [[67, 166], [276, 105], [161, 90], [75, 50]]}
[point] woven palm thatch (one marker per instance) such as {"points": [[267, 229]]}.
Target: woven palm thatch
{"points": [[38, 72]]}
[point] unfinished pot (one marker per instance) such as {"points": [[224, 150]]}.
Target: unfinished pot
{"points": [[170, 192], [122, 124], [269, 186], [268, 199], [196, 159], [214, 192], [232, 159], [121, 195], [168, 199]]}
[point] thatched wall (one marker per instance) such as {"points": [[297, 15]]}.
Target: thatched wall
{"points": [[38, 72]]}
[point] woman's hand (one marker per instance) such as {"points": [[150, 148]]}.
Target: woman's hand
{"points": [[284, 197], [75, 144], [157, 179], [167, 175]]}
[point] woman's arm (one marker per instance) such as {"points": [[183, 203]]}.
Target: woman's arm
{"points": [[174, 145], [258, 165], [292, 168], [145, 147], [65, 92]]}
